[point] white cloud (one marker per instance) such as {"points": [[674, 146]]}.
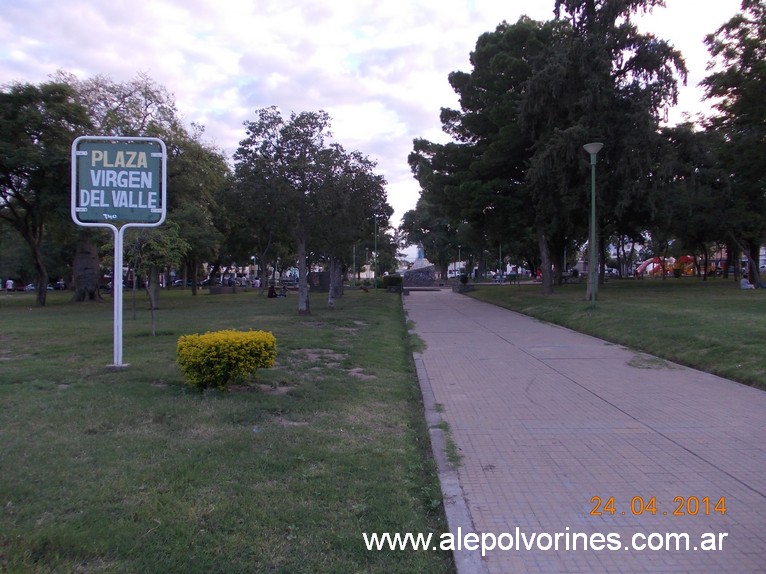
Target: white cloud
{"points": [[379, 68]]}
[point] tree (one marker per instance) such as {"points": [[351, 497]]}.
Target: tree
{"points": [[150, 250], [37, 127], [352, 207], [138, 107], [283, 164], [198, 177], [537, 93], [320, 194], [601, 80], [736, 85], [695, 189], [479, 179]]}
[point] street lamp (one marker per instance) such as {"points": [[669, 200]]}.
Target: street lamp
{"points": [[593, 149], [375, 274]]}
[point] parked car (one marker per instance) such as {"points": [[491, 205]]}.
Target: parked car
{"points": [[30, 287]]}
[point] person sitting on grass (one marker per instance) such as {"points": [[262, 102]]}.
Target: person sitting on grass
{"points": [[745, 284], [272, 292]]}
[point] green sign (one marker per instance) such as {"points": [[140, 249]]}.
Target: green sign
{"points": [[118, 181]]}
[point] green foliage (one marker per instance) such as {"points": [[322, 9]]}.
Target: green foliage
{"points": [[736, 86], [537, 92], [215, 358], [324, 197], [392, 281], [428, 226], [38, 126]]}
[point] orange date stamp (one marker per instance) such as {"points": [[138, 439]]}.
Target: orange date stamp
{"points": [[639, 506]]}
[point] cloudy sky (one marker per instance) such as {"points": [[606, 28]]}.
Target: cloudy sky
{"points": [[378, 67]]}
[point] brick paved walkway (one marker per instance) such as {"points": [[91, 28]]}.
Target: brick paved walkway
{"points": [[546, 419]]}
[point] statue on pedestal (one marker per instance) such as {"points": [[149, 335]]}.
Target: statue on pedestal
{"points": [[421, 261]]}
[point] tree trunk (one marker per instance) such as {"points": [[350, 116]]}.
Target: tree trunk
{"points": [[153, 290], [753, 257], [729, 260], [42, 278], [545, 257], [335, 290], [153, 287], [133, 298], [706, 260], [559, 266], [601, 257], [191, 271], [303, 285], [85, 273]]}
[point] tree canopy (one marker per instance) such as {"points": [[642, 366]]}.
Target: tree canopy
{"points": [[319, 194], [736, 87], [37, 127], [536, 94]]}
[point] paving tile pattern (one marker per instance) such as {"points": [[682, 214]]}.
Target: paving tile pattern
{"points": [[545, 419]]}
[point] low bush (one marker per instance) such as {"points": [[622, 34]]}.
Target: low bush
{"points": [[392, 281], [215, 358]]}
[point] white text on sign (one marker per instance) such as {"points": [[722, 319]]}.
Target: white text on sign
{"points": [[119, 198], [135, 159]]}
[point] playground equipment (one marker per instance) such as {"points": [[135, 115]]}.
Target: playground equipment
{"points": [[654, 266], [651, 266], [686, 263]]}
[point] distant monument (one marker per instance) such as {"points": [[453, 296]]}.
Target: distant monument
{"points": [[422, 273], [421, 261]]}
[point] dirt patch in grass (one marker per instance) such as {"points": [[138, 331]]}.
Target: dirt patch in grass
{"points": [[282, 421], [360, 374], [278, 390], [647, 362], [324, 355]]}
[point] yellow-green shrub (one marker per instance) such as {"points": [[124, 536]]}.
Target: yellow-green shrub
{"points": [[217, 357]]}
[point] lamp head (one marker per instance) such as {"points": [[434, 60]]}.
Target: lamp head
{"points": [[593, 148]]}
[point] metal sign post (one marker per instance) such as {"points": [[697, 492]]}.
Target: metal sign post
{"points": [[119, 183]]}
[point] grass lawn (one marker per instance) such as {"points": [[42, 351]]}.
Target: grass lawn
{"points": [[709, 325], [130, 471]]}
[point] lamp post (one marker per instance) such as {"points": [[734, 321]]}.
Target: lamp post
{"points": [[593, 149], [458, 260], [375, 274]]}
